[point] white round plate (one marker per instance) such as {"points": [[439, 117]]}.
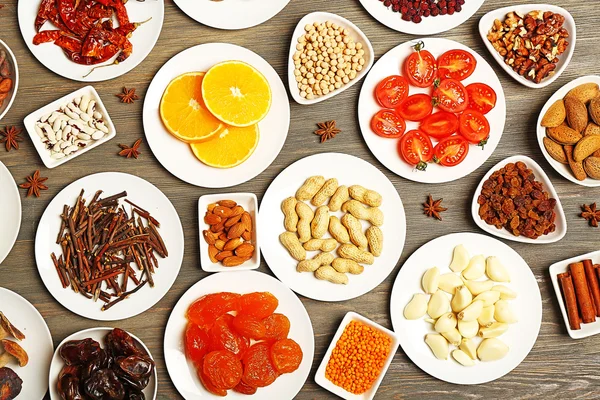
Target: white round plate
{"points": [[564, 169], [177, 157], [37, 343], [98, 334], [140, 192], [520, 337], [348, 170], [231, 14], [183, 372], [12, 61], [540, 176], [10, 212], [385, 149], [428, 26], [52, 57]]}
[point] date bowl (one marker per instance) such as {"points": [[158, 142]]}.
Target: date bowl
{"points": [[14, 75]]}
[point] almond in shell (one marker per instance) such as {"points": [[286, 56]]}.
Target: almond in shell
{"points": [[592, 167], [577, 115], [555, 115], [555, 150], [563, 134], [594, 108], [585, 147], [591, 129], [584, 92], [576, 167]]}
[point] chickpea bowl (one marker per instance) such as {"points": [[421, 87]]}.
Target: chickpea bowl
{"points": [[328, 54], [8, 72]]}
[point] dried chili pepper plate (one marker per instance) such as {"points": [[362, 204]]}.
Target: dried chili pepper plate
{"points": [[140, 192], [37, 343], [177, 157], [146, 18], [231, 14], [183, 371], [520, 336], [10, 212], [9, 60], [386, 149]]}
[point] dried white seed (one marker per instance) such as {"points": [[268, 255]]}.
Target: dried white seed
{"points": [[431, 280], [71, 114], [57, 156], [97, 115], [52, 117], [462, 358], [45, 117], [462, 298], [102, 127], [73, 107], [472, 312], [492, 349], [85, 117], [449, 282], [57, 147], [504, 313], [64, 145], [505, 293], [494, 330], [496, 271], [489, 298], [469, 348], [97, 135], [445, 323], [468, 329], [475, 269], [85, 100], [487, 316], [59, 135], [460, 258], [84, 136], [90, 108], [67, 130], [416, 307], [438, 345], [70, 149], [63, 124], [453, 336], [438, 304], [39, 131], [77, 100], [478, 287], [56, 125]]}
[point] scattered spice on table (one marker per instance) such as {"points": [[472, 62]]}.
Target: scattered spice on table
{"points": [[589, 213], [10, 137], [130, 152], [34, 184], [433, 208], [327, 130], [101, 245], [128, 95]]}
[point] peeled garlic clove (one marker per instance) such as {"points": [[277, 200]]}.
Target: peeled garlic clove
{"points": [[495, 270], [460, 258], [475, 269], [472, 312], [468, 329], [504, 313], [494, 330], [492, 349], [462, 358], [453, 336], [438, 345], [449, 282], [430, 320], [438, 305], [468, 346], [445, 323], [431, 280], [461, 299], [478, 287], [489, 298], [487, 316], [416, 307], [505, 293]]}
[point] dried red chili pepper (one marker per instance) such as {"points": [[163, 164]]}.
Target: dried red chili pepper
{"points": [[68, 43], [42, 15], [47, 36]]}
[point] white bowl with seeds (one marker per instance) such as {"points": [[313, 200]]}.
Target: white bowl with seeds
{"points": [[328, 54], [69, 126]]}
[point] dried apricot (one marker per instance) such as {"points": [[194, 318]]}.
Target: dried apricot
{"points": [[196, 343], [259, 304], [209, 386], [207, 309], [224, 337], [258, 369], [244, 388], [249, 326], [286, 356], [223, 369], [277, 327]]}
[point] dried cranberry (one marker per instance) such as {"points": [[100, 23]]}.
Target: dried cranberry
{"points": [[458, 8], [426, 13], [416, 19], [387, 3], [404, 10], [442, 3], [443, 11], [450, 10], [406, 17], [435, 12], [395, 7]]}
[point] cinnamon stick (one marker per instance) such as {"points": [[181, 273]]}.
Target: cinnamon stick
{"points": [[582, 292], [593, 284], [568, 291]]}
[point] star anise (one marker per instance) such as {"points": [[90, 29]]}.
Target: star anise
{"points": [[128, 95], [132, 151], [590, 213], [11, 137], [433, 208], [34, 184], [327, 130]]}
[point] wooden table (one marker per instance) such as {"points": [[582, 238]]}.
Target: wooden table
{"points": [[557, 367]]}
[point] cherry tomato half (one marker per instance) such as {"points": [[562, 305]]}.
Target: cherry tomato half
{"points": [[456, 64], [388, 124], [440, 124], [415, 107], [482, 98], [391, 91], [419, 67], [474, 127], [451, 95], [416, 148], [451, 151]]}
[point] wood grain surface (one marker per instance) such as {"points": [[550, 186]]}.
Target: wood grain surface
{"points": [[557, 367]]}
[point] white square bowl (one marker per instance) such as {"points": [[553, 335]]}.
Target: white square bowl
{"points": [[560, 267], [327, 384], [44, 153], [487, 21], [250, 204]]}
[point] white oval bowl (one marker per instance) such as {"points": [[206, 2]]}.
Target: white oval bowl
{"points": [[15, 77]]}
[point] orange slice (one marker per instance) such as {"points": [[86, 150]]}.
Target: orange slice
{"points": [[183, 112], [229, 148], [236, 93]]}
